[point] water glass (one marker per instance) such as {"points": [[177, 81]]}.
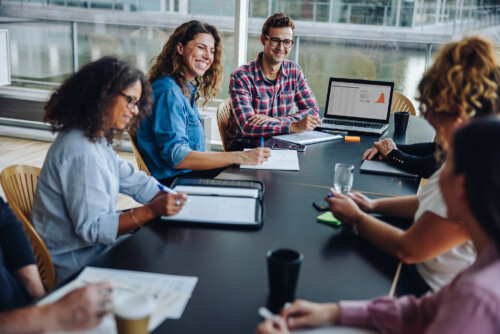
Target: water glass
{"points": [[343, 179]]}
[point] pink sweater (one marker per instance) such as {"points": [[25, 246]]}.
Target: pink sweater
{"points": [[469, 304]]}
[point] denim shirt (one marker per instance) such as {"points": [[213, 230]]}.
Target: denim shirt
{"points": [[171, 130], [74, 204]]}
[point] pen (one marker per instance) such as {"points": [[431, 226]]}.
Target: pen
{"points": [[331, 195], [261, 141], [343, 133], [167, 189], [266, 314]]}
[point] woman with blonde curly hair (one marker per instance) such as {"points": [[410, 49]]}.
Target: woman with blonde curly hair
{"points": [[171, 139], [462, 83]]}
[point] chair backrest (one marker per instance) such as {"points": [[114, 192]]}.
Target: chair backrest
{"points": [[223, 113], [140, 163], [19, 185], [402, 103]]}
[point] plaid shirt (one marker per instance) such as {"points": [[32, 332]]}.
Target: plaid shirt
{"points": [[253, 94]]}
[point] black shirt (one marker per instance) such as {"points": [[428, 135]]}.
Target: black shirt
{"points": [[15, 253], [415, 158]]}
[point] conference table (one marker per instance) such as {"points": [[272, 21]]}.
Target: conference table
{"points": [[230, 263]]}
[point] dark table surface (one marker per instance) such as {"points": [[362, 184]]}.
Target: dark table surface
{"points": [[231, 263]]}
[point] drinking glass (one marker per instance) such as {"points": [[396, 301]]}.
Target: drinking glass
{"points": [[342, 181]]}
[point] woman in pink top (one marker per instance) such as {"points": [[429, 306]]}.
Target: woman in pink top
{"points": [[470, 184]]}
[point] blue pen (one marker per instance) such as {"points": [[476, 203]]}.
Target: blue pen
{"points": [[330, 195], [261, 141], [167, 189]]}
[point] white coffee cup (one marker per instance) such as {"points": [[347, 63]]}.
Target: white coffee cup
{"points": [[132, 313]]}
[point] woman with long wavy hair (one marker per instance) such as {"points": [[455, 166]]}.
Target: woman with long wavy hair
{"points": [[463, 83], [74, 205], [171, 139]]}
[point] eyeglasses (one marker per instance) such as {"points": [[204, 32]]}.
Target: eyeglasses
{"points": [[287, 43], [131, 101]]}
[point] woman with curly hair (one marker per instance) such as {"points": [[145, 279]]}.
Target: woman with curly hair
{"points": [[171, 139], [470, 303], [463, 83], [75, 199]]}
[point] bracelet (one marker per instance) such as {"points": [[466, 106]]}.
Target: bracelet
{"points": [[355, 228], [134, 219]]}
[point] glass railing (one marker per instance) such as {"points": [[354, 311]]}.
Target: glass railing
{"points": [[44, 53]]}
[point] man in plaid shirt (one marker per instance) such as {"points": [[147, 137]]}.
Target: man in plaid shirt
{"points": [[263, 91]]}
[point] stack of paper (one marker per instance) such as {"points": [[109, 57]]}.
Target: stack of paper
{"points": [[170, 292], [279, 160], [308, 137]]}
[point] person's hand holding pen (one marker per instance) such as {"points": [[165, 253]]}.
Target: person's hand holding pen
{"points": [[168, 202], [344, 208], [307, 123], [257, 156]]}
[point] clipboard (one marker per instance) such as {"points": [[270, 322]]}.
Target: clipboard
{"points": [[220, 202]]}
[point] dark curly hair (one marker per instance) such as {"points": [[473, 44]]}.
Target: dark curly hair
{"points": [[85, 99], [169, 62]]}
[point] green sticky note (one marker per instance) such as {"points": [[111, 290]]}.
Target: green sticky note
{"points": [[329, 219]]}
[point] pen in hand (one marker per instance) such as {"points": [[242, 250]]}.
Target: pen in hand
{"points": [[261, 141], [167, 189]]}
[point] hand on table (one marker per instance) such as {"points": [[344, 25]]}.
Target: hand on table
{"points": [[272, 326], [256, 156], [380, 147], [364, 203], [303, 313], [307, 123], [344, 208], [259, 119]]}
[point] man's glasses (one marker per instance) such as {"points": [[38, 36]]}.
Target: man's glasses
{"points": [[287, 43], [131, 102]]}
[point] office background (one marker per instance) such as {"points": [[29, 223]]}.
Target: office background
{"points": [[391, 40]]}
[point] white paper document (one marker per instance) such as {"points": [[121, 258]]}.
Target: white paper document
{"points": [[279, 160], [170, 292], [217, 209], [308, 137], [219, 191], [383, 167]]}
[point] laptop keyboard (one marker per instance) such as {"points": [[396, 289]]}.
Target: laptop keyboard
{"points": [[347, 123]]}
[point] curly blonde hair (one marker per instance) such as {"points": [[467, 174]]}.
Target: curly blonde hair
{"points": [[466, 74], [169, 62]]}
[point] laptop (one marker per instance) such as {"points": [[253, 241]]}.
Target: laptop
{"points": [[358, 106]]}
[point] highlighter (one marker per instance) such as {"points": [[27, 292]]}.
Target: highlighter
{"points": [[352, 138]]}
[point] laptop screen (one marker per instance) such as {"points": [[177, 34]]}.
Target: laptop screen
{"points": [[359, 99]]}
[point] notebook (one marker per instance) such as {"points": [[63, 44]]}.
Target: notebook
{"points": [[220, 202], [358, 105], [383, 167]]}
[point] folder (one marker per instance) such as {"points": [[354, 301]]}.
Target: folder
{"points": [[383, 167], [220, 202]]}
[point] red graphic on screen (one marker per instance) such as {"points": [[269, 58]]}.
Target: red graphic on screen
{"points": [[381, 99]]}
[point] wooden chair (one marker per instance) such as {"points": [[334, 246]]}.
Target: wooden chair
{"points": [[402, 103], [19, 184], [140, 163], [223, 113]]}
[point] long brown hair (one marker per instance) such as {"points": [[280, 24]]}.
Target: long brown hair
{"points": [[169, 62]]}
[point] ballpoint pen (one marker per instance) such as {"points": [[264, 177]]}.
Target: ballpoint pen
{"points": [[336, 132], [167, 189], [266, 314], [261, 141]]}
